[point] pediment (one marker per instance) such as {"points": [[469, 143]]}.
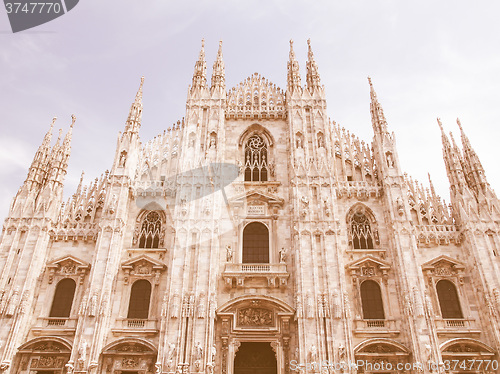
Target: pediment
{"points": [[368, 261], [68, 265], [443, 262], [254, 196], [143, 265]]}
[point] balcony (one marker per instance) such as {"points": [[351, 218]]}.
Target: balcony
{"points": [[358, 189], [456, 326], [255, 275], [135, 325], [370, 327], [432, 235], [64, 326]]}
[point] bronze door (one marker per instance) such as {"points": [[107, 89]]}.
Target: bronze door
{"points": [[255, 358]]}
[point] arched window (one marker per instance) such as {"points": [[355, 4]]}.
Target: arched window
{"points": [[448, 299], [371, 300], [361, 232], [63, 298], [256, 243], [140, 294], [149, 236], [256, 160]]}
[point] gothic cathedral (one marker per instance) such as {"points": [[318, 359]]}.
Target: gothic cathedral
{"points": [[253, 236]]}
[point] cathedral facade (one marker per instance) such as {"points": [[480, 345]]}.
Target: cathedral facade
{"points": [[254, 236]]}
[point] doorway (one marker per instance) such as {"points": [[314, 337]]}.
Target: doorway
{"points": [[255, 358]]}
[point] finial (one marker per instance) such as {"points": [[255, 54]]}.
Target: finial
{"points": [[291, 43], [220, 43], [73, 120], [53, 121], [440, 124], [309, 42], [203, 43], [459, 125], [370, 81], [60, 134]]}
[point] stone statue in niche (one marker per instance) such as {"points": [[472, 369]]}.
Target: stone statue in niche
{"points": [[229, 253], [212, 149], [299, 152], [321, 141], [123, 159], [313, 354], [198, 351], [390, 160], [82, 353], [341, 352], [171, 355], [214, 353], [282, 255], [400, 206]]}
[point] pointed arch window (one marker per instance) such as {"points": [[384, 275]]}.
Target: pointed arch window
{"points": [[361, 232], [255, 243], [448, 299], [149, 236], [63, 298], [371, 300], [140, 296], [256, 165]]}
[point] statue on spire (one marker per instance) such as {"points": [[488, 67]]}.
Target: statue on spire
{"points": [[218, 73], [379, 122], [312, 77], [200, 70], [293, 74], [134, 118]]}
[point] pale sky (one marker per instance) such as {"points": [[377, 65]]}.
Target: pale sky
{"points": [[427, 59]]}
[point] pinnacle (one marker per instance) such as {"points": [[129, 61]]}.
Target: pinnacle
{"points": [[138, 96], [440, 124]]}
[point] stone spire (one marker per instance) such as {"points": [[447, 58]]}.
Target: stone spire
{"points": [[473, 168], [312, 76], [293, 74], [60, 155], [218, 73], [38, 168], [200, 70], [134, 118], [379, 122], [452, 161], [69, 136]]}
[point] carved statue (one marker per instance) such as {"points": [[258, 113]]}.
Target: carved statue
{"points": [[282, 255], [321, 142], [123, 159], [198, 351], [82, 353], [400, 206], [313, 354], [112, 204], [390, 160], [214, 352], [171, 351], [299, 142], [175, 306], [229, 253], [341, 352]]}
